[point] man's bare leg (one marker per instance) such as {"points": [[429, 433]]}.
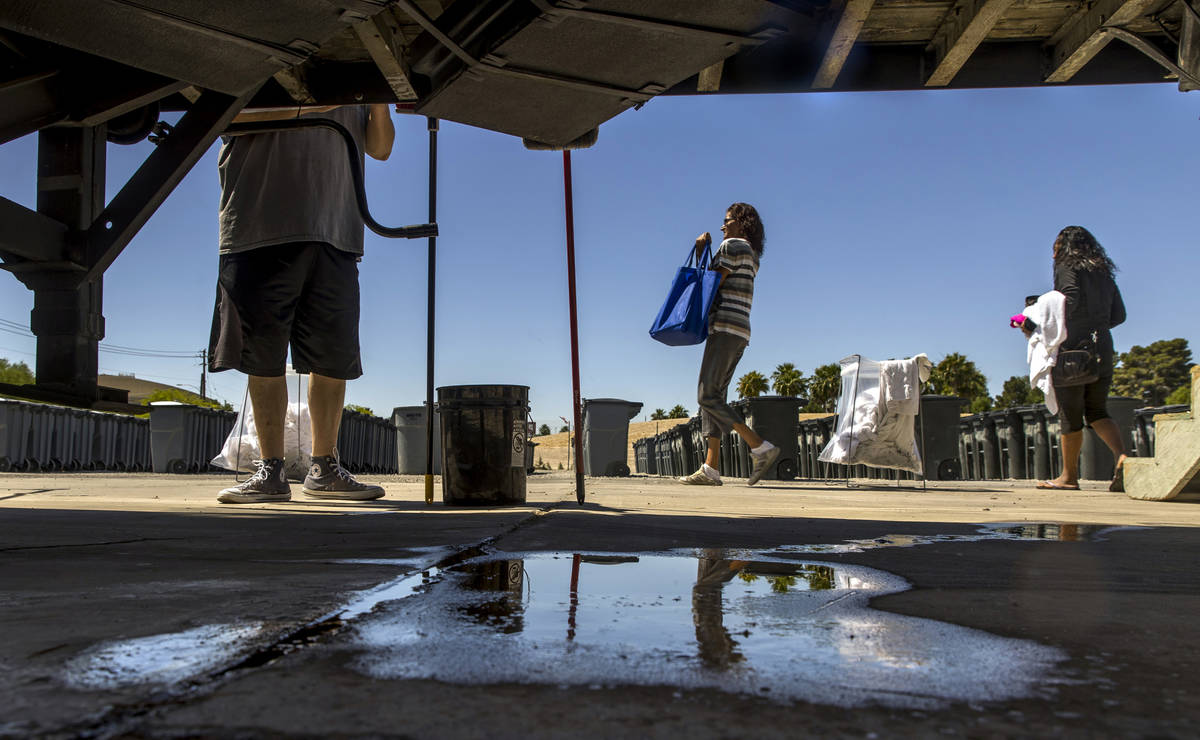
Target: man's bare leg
{"points": [[326, 397], [268, 397], [327, 479]]}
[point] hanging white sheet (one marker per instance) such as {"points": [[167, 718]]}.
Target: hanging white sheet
{"points": [[877, 411]]}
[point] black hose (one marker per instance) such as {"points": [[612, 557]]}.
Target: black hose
{"points": [[417, 231]]}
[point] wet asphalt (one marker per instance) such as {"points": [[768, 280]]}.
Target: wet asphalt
{"points": [[136, 606]]}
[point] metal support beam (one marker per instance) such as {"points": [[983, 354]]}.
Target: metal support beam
{"points": [[386, 48], [961, 32], [1189, 44], [293, 82], [157, 177], [1078, 44], [30, 235], [67, 316], [845, 32], [709, 79]]}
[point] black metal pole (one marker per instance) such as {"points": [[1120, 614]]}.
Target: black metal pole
{"points": [[575, 400], [433, 129]]}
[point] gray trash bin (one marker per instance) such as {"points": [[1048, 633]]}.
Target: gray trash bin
{"points": [[171, 434], [411, 438], [606, 435]]}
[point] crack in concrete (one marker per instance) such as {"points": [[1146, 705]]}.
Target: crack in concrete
{"points": [[30, 493], [90, 544]]}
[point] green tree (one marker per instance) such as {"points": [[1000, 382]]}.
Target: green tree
{"points": [[658, 415], [957, 376], [752, 385], [543, 430], [824, 389], [15, 373], [677, 412], [1018, 392], [181, 396], [788, 381], [1180, 396], [359, 409], [564, 429], [1153, 372]]}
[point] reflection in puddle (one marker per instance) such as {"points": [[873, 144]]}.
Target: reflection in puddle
{"points": [[1057, 532], [159, 659], [796, 630]]}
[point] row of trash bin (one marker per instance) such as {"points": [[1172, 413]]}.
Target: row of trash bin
{"points": [[1018, 443], [42, 437]]}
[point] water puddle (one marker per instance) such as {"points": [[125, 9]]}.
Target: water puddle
{"points": [[771, 627], [159, 659], [1011, 532]]}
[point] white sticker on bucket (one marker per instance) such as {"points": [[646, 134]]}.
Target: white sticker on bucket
{"points": [[518, 443]]}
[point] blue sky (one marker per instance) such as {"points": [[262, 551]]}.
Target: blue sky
{"points": [[896, 223]]}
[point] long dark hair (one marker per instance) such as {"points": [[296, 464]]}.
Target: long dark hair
{"points": [[751, 225], [1076, 247]]}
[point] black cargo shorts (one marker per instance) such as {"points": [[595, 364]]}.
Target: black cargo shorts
{"points": [[300, 294]]}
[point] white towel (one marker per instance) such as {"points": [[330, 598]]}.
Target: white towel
{"points": [[1050, 316]]}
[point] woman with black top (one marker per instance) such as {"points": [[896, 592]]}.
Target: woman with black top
{"points": [[1084, 274]]}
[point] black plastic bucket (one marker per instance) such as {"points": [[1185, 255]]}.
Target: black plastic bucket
{"points": [[483, 444]]}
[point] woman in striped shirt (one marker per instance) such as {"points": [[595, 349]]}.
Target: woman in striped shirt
{"points": [[728, 334]]}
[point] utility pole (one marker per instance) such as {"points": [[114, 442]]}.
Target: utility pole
{"points": [[203, 373]]}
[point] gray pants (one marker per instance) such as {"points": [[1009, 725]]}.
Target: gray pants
{"points": [[721, 355]]}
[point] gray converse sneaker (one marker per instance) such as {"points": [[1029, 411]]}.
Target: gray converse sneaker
{"points": [[328, 479], [762, 463], [267, 484], [699, 478]]}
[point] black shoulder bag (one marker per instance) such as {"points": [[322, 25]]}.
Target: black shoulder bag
{"points": [[1078, 366]]}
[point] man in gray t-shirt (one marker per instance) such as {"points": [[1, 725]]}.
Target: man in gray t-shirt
{"points": [[290, 240]]}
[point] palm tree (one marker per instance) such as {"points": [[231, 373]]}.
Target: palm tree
{"points": [[957, 376], [788, 381], [752, 385], [824, 389], [677, 412]]}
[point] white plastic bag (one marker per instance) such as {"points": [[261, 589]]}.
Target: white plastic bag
{"points": [[241, 447]]}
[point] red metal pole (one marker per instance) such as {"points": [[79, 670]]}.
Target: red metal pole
{"points": [[574, 328]]}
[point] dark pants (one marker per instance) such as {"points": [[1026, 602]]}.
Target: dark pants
{"points": [[1077, 403], [721, 355]]}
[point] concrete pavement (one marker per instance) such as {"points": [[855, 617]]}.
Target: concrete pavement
{"points": [[95, 560]]}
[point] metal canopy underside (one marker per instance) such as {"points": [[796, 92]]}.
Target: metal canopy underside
{"points": [[553, 69], [81, 71]]}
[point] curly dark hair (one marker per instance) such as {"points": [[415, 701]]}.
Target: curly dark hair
{"points": [[752, 226], [1076, 247]]}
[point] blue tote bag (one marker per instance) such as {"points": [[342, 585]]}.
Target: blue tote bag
{"points": [[683, 318]]}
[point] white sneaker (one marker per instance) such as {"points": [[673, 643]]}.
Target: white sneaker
{"points": [[699, 478], [762, 463]]}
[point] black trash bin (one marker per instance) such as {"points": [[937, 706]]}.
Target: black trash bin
{"points": [[1037, 446], [986, 449], [1010, 443], [1095, 459], [483, 444], [938, 437], [606, 435], [776, 419]]}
